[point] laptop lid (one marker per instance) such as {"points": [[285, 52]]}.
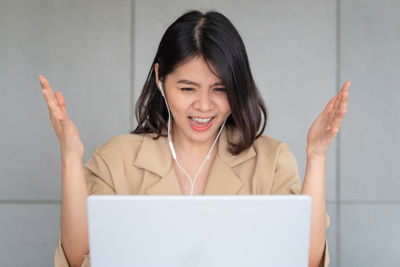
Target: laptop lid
{"points": [[211, 231]]}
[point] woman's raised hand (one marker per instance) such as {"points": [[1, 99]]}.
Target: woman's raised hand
{"points": [[327, 125], [70, 142]]}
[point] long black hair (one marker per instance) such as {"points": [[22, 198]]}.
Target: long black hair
{"points": [[212, 36]]}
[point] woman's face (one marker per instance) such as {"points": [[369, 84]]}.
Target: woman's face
{"points": [[197, 100]]}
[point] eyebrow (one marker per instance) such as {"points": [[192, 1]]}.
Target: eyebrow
{"points": [[196, 84]]}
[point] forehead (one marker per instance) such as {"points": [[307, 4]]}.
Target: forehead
{"points": [[196, 69]]}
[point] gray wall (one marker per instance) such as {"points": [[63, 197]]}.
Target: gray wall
{"points": [[98, 54]]}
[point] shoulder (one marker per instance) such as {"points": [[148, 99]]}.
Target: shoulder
{"points": [[276, 167], [120, 144], [120, 140], [273, 151], [265, 143]]}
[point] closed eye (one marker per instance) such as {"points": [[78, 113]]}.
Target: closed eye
{"points": [[219, 89]]}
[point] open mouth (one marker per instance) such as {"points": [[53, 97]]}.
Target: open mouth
{"points": [[201, 124]]}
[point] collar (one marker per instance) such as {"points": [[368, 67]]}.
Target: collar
{"points": [[155, 157]]}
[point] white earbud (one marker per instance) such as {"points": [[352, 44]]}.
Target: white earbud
{"points": [[162, 89]]}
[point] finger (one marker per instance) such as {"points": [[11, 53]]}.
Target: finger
{"points": [[61, 102], [330, 104], [346, 86], [342, 108], [52, 104], [339, 109], [337, 120], [345, 94], [337, 100], [343, 91], [54, 109], [343, 101], [332, 111], [46, 85]]}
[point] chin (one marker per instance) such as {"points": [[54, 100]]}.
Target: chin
{"points": [[205, 136]]}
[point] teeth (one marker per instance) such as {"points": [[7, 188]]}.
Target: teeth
{"points": [[202, 120]]}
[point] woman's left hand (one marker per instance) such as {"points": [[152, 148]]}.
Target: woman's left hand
{"points": [[327, 124]]}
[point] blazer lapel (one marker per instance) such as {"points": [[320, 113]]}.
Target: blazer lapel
{"points": [[154, 156], [166, 185], [222, 179]]}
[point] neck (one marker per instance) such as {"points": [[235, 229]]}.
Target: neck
{"points": [[191, 148]]}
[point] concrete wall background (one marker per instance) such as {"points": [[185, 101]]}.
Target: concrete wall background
{"points": [[98, 54]]}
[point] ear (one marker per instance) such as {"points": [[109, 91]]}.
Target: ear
{"points": [[156, 71]]}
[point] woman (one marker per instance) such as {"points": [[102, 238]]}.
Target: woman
{"points": [[200, 119]]}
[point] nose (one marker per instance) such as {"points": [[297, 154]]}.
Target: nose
{"points": [[204, 102]]}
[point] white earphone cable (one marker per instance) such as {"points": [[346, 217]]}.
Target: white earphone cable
{"points": [[192, 182]]}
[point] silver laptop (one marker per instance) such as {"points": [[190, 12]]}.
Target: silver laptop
{"points": [[206, 231]]}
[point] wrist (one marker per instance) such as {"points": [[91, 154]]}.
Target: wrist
{"points": [[71, 159], [311, 155]]}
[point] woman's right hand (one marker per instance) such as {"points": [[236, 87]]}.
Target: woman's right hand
{"points": [[70, 142]]}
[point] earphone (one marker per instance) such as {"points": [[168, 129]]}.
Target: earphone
{"points": [[171, 146]]}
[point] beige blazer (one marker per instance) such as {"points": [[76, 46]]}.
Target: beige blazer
{"points": [[137, 164]]}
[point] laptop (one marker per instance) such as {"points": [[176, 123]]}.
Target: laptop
{"points": [[206, 231]]}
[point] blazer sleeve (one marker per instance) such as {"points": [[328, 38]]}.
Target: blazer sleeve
{"points": [[287, 181], [99, 181], [325, 257]]}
